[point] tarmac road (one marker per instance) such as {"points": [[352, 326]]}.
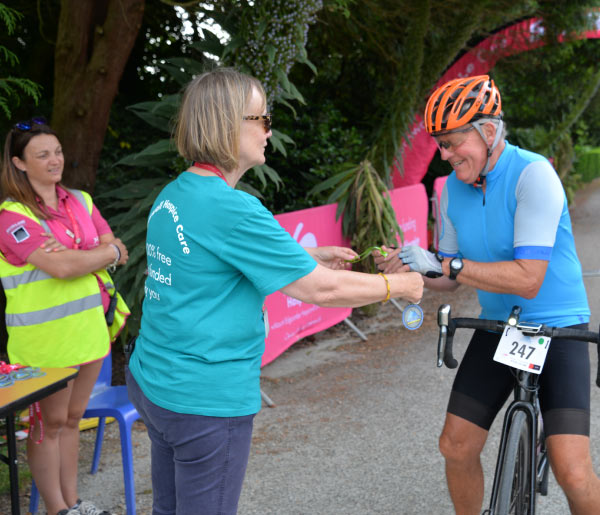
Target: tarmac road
{"points": [[356, 424]]}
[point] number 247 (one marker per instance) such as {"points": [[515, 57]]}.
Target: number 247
{"points": [[521, 350]]}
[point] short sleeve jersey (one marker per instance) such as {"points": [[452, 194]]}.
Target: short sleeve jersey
{"points": [[21, 235], [214, 253], [522, 215]]}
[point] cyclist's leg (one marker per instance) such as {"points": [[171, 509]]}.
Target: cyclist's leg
{"points": [[480, 389], [461, 444], [572, 466], [565, 403]]}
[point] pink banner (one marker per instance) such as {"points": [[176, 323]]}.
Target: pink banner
{"points": [[411, 206], [289, 318], [419, 148]]}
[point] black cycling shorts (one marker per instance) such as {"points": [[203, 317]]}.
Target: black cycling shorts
{"points": [[482, 385]]}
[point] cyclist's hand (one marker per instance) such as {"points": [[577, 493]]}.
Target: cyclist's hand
{"points": [[389, 264], [421, 260]]}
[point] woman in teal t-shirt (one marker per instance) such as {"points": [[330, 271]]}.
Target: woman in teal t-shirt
{"points": [[214, 253]]}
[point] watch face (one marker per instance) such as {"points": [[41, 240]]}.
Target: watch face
{"points": [[456, 264]]}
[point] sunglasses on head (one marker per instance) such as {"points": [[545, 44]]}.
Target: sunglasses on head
{"points": [[266, 119], [27, 125]]}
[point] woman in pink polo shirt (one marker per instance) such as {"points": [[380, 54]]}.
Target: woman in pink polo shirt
{"points": [[55, 247]]}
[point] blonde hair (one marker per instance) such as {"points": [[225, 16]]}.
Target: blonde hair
{"points": [[209, 119]]}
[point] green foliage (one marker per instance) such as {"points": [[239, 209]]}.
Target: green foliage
{"points": [[546, 111], [324, 142], [11, 88], [24, 479], [127, 211], [270, 38], [368, 216], [588, 163]]}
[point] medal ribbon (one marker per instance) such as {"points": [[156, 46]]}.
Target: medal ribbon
{"points": [[365, 254], [76, 233]]}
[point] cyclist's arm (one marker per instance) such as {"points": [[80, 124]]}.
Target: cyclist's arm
{"points": [[441, 283], [540, 203], [522, 277]]}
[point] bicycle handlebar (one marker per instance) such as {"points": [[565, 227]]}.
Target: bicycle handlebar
{"points": [[448, 326]]}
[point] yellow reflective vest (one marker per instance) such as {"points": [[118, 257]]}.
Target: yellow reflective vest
{"points": [[56, 322]]}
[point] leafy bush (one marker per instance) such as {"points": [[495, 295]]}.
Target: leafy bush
{"points": [[11, 88], [587, 163]]}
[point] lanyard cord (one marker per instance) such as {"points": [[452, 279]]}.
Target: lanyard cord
{"points": [[211, 168], [76, 233]]}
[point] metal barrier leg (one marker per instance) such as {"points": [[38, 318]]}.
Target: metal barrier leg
{"points": [[591, 273], [267, 399], [355, 329]]}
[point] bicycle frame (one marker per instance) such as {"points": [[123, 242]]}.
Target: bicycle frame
{"points": [[525, 401], [525, 398]]}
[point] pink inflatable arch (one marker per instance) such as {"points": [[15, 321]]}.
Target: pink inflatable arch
{"points": [[418, 149]]}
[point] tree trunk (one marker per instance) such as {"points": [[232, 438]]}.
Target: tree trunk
{"points": [[94, 41]]}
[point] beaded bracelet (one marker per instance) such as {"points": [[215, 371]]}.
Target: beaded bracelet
{"points": [[387, 285]]}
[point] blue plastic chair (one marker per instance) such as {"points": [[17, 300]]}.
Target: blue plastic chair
{"points": [[108, 401]]}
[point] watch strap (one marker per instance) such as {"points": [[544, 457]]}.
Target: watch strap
{"points": [[453, 272]]}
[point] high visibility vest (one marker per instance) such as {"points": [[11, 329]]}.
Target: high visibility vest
{"points": [[56, 322]]}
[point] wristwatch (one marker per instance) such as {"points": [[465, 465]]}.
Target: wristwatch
{"points": [[456, 265]]}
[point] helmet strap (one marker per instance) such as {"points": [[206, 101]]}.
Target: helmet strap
{"points": [[480, 181]]}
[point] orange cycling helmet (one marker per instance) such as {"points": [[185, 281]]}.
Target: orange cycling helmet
{"points": [[461, 101]]}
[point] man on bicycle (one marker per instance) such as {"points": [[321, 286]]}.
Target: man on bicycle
{"points": [[506, 231]]}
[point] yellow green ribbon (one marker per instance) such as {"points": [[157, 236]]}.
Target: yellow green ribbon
{"points": [[365, 254]]}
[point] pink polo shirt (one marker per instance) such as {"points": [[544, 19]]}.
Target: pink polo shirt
{"points": [[20, 235]]}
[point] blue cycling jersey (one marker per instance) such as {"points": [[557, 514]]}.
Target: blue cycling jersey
{"points": [[522, 215]]}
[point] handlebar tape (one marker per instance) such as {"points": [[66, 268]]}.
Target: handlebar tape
{"points": [[449, 360]]}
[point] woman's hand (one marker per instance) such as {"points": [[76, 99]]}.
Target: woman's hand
{"points": [[332, 257], [122, 249], [412, 285], [391, 263], [51, 244]]}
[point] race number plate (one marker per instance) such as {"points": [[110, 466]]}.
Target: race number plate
{"points": [[518, 350]]}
